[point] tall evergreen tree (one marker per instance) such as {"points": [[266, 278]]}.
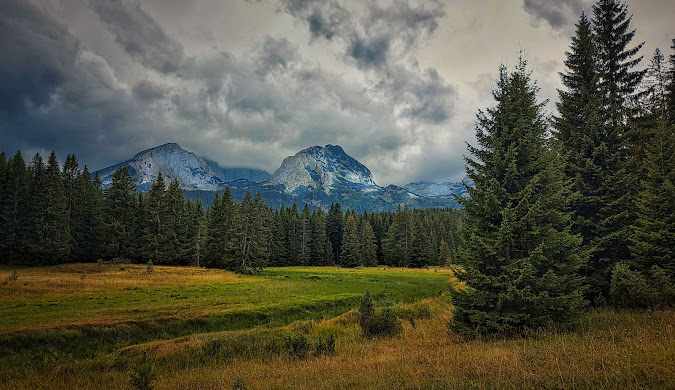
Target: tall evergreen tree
{"points": [[578, 130], [248, 244], [120, 208], [13, 208], [322, 252], [48, 239], [350, 254], [520, 260], [220, 221], [620, 178], [421, 248], [397, 245], [155, 228], [305, 245], [368, 246], [334, 228]]}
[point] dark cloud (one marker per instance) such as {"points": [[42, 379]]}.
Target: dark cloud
{"points": [[557, 13], [275, 54], [140, 34], [38, 55]]}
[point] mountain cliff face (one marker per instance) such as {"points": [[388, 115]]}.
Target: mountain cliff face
{"points": [[321, 168], [174, 162], [317, 176]]}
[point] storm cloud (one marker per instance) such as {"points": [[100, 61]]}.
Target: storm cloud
{"points": [[247, 83]]}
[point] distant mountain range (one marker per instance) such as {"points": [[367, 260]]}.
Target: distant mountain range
{"points": [[317, 176]]}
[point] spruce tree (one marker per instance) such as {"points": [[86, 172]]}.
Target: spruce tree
{"points": [[322, 252], [368, 246], [619, 172], [520, 261], [248, 251], [397, 245], [13, 209], [156, 229], [334, 228], [48, 238], [421, 249], [350, 253], [220, 220], [578, 130], [445, 257], [120, 208], [305, 239]]}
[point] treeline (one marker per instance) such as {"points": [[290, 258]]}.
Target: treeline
{"points": [[50, 215], [583, 216]]}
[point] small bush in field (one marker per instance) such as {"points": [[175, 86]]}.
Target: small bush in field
{"points": [[325, 344], [143, 374], [374, 323], [298, 345], [239, 384], [14, 276], [149, 267]]}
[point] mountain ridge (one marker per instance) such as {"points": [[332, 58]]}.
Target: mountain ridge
{"points": [[317, 176]]}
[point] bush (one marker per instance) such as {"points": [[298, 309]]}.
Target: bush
{"points": [[143, 375], [298, 345], [149, 267], [14, 276], [325, 344], [373, 323], [239, 384]]}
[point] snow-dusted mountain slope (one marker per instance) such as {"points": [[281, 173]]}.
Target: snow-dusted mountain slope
{"points": [[321, 168], [174, 162]]}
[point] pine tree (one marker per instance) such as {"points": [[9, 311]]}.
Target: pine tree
{"points": [[220, 221], [397, 245], [305, 246], [368, 246], [421, 249], [334, 228], [155, 228], [520, 260], [48, 238], [578, 130], [445, 257], [120, 208], [13, 209], [322, 252], [350, 253], [248, 244], [177, 229], [619, 172]]}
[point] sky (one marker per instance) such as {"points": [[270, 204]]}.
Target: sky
{"points": [[396, 83]]}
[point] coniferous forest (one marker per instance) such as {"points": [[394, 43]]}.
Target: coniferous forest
{"points": [[52, 215]]}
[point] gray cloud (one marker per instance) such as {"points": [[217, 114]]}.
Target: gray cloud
{"points": [[140, 34], [557, 13], [38, 56]]}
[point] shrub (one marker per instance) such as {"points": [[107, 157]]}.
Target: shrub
{"points": [[149, 267], [239, 384], [14, 276], [373, 323], [143, 374], [298, 345], [325, 344]]}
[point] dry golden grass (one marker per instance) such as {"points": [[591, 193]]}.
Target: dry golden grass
{"points": [[85, 278]]}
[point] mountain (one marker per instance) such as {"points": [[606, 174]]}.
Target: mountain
{"points": [[317, 176], [174, 162], [193, 172], [322, 168]]}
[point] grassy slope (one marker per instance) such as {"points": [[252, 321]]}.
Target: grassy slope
{"points": [[80, 312], [608, 350]]}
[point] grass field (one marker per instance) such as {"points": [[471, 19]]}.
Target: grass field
{"points": [[89, 326]]}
